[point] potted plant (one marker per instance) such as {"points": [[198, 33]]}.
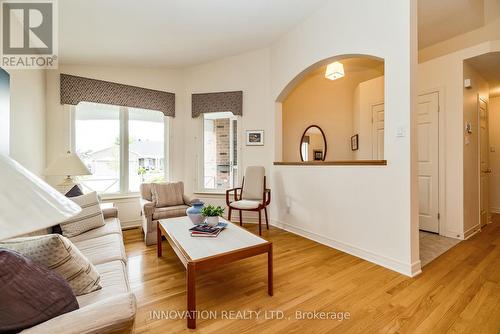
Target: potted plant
{"points": [[212, 214]]}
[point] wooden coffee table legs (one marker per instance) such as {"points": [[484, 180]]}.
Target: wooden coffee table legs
{"points": [[270, 289], [158, 239], [210, 263], [191, 295]]}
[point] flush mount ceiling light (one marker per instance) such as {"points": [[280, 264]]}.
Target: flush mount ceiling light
{"points": [[334, 71]]}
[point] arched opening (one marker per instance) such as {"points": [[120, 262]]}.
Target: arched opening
{"points": [[344, 97]]}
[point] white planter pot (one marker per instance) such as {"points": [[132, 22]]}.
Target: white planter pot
{"points": [[212, 221]]}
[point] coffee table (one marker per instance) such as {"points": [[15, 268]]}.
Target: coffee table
{"points": [[201, 253]]}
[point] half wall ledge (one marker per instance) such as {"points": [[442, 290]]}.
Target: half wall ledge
{"points": [[334, 163]]}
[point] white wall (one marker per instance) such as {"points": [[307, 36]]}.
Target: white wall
{"points": [[27, 118], [354, 208], [494, 119], [58, 121], [445, 74], [248, 72]]}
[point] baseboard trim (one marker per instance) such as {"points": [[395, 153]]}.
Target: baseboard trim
{"points": [[130, 224], [472, 231], [495, 210], [406, 269]]}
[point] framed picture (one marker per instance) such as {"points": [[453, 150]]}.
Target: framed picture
{"points": [[255, 137], [355, 142], [318, 155]]}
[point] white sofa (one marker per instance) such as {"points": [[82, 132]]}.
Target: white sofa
{"points": [[111, 309]]}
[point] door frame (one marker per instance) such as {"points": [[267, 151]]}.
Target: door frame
{"points": [[441, 159], [373, 125], [488, 211]]}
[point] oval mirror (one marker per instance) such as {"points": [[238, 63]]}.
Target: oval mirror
{"points": [[313, 144]]}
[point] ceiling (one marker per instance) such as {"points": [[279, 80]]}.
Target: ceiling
{"points": [[439, 20], [488, 66], [177, 33], [172, 33]]}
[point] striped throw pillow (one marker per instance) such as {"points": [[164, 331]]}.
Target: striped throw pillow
{"points": [[89, 218], [57, 253]]}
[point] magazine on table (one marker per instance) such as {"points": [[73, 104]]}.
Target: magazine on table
{"points": [[204, 230]]}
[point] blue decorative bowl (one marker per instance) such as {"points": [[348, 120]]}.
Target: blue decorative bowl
{"points": [[194, 213]]}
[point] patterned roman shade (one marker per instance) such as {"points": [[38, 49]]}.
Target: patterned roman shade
{"points": [[217, 102], [76, 89]]}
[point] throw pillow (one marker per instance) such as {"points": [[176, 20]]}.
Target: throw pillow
{"points": [[31, 294], [55, 252], [73, 192], [168, 194], [89, 218]]}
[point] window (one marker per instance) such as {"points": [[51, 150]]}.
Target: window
{"points": [[220, 151], [121, 146]]}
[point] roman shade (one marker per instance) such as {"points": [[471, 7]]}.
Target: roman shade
{"points": [[76, 89], [217, 102]]}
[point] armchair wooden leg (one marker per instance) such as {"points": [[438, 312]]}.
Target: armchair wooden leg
{"points": [[229, 214], [260, 226], [267, 222], [241, 218]]}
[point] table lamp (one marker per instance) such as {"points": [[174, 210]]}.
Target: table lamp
{"points": [[27, 203], [68, 164]]}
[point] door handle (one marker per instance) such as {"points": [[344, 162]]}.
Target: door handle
{"points": [[487, 171]]}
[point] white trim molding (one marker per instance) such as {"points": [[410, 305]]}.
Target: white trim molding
{"points": [[407, 269]]}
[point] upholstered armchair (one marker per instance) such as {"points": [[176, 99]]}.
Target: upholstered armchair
{"points": [[161, 201], [251, 196]]}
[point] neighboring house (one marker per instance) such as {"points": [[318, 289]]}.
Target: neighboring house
{"points": [[146, 162]]}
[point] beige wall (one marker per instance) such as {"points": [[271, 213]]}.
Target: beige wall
{"points": [[445, 74], [494, 118], [479, 89], [490, 31], [367, 93], [327, 104], [27, 118]]}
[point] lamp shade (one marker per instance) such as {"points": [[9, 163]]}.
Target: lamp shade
{"points": [[334, 71], [27, 203], [67, 164]]}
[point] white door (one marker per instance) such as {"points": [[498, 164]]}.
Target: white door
{"points": [[428, 161], [485, 166], [378, 131]]}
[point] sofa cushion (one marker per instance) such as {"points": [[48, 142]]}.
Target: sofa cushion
{"points": [[168, 194], [170, 212], [55, 252], [110, 315], [89, 218], [103, 249], [111, 226], [31, 293], [113, 280]]}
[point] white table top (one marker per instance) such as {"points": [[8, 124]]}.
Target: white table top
{"points": [[231, 238]]}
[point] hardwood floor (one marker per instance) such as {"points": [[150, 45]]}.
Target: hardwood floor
{"points": [[457, 293]]}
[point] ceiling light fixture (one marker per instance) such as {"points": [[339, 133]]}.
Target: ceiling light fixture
{"points": [[334, 71]]}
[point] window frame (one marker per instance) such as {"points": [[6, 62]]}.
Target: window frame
{"points": [[200, 160], [124, 150]]}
